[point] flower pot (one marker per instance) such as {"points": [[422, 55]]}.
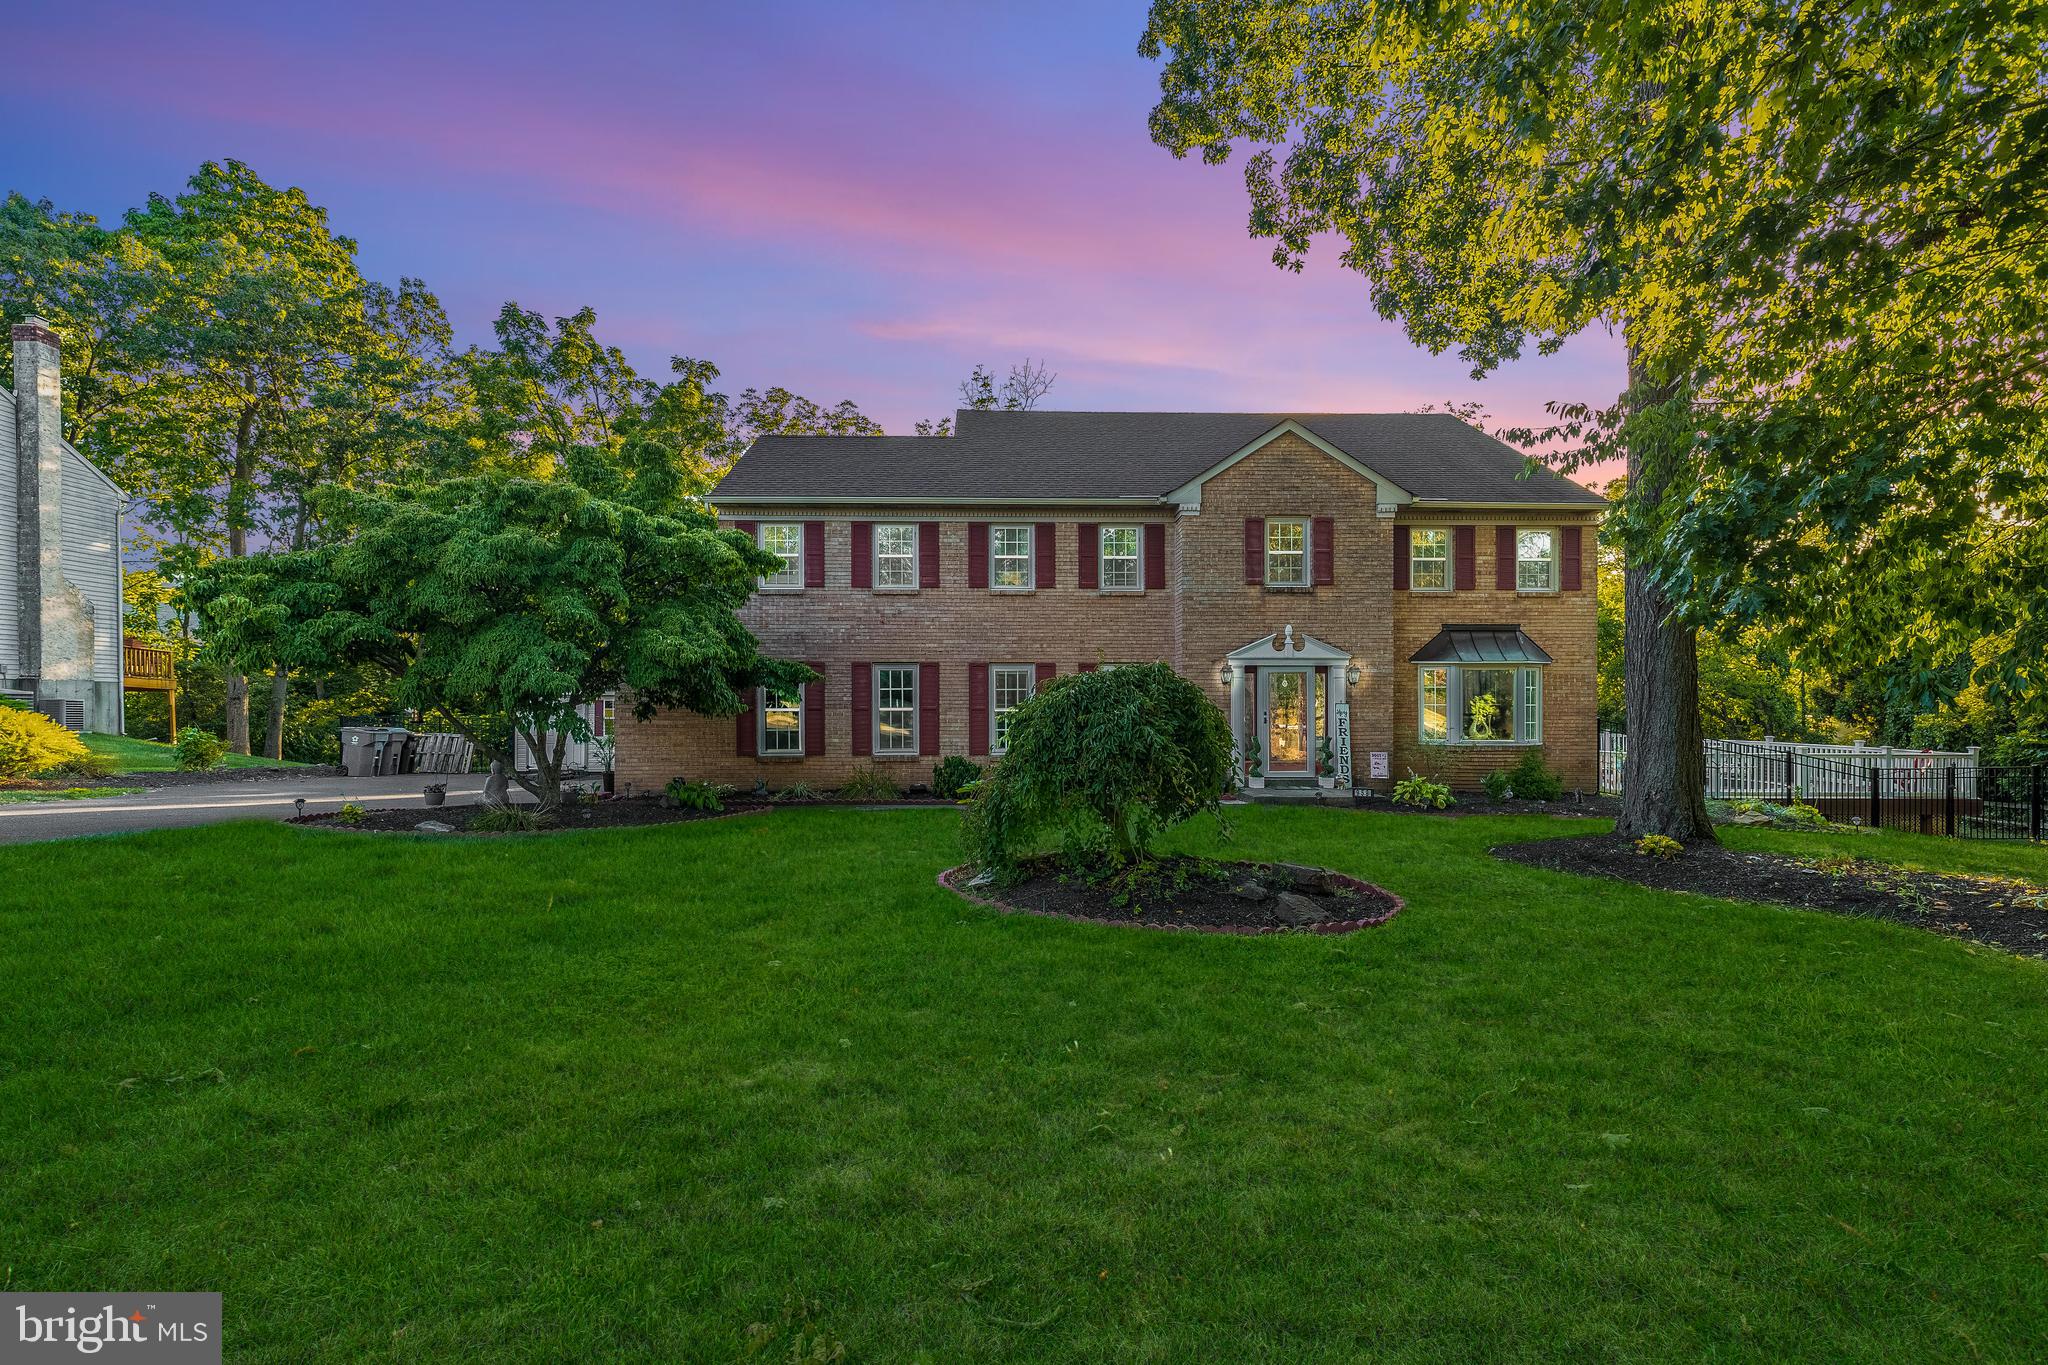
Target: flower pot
{"points": [[436, 794], [609, 779], [1327, 783]]}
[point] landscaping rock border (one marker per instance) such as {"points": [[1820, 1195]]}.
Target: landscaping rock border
{"points": [[955, 880]]}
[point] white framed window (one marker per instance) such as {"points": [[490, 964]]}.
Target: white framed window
{"points": [[1436, 704], [1010, 556], [1286, 552], [1009, 687], [784, 539], [782, 724], [1479, 704], [896, 556], [896, 709], [1535, 561], [1429, 559], [1120, 559]]}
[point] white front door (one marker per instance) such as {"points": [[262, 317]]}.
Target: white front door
{"points": [[1287, 703]]}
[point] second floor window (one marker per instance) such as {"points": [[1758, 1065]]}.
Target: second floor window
{"points": [[896, 709], [786, 541], [1429, 559], [1010, 556], [1286, 553], [1120, 557], [896, 556], [782, 722], [1536, 561]]}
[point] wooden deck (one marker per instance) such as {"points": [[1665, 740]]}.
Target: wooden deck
{"points": [[147, 668]]}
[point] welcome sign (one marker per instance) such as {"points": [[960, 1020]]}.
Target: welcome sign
{"points": [[1340, 725]]}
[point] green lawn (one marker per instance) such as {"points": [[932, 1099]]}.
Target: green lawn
{"points": [[147, 756], [618, 1095], [31, 797]]}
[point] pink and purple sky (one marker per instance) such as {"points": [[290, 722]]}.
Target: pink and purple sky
{"points": [[856, 201]]}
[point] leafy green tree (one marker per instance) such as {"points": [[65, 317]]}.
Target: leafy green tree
{"points": [[498, 601], [1028, 381], [1107, 761], [1773, 209], [778, 412]]}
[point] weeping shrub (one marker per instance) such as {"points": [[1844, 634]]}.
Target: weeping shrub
{"points": [[1103, 762]]}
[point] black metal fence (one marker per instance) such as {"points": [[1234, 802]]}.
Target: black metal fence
{"points": [[1938, 795]]}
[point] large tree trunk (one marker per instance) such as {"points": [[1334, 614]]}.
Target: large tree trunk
{"points": [[1664, 780], [280, 688], [236, 724], [235, 727]]}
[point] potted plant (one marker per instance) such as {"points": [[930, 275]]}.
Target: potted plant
{"points": [[437, 792], [1254, 758], [1326, 764], [602, 750]]}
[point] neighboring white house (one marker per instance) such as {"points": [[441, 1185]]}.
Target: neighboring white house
{"points": [[60, 555]]}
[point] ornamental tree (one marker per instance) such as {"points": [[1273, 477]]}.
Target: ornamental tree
{"points": [[499, 602], [1107, 761]]}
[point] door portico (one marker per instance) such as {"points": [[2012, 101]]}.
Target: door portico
{"points": [[1284, 689]]}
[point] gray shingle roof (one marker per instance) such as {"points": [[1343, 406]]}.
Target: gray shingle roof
{"points": [[1062, 456], [1480, 645]]}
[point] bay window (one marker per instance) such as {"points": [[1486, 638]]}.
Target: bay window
{"points": [[1489, 704]]}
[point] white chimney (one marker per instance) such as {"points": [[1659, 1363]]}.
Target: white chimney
{"points": [[56, 622]]}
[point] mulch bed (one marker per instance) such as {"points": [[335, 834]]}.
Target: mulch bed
{"points": [[619, 813], [2002, 914], [1196, 894], [1479, 803]]}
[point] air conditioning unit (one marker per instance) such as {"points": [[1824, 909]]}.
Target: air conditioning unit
{"points": [[68, 712]]}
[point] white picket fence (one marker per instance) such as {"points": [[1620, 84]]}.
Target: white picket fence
{"points": [[1757, 768]]}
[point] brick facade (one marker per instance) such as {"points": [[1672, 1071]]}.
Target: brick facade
{"points": [[1205, 611]]}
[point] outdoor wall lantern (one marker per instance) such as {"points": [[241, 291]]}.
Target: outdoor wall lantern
{"points": [[1226, 673], [1351, 674]]}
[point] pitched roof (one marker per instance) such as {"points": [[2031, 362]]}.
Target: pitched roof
{"points": [[1086, 456]]}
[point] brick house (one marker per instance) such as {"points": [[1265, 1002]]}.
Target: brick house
{"points": [[1399, 572]]}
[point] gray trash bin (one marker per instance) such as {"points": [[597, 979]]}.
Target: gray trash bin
{"points": [[357, 750], [387, 751]]}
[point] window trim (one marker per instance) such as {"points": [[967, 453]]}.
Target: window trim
{"points": [[1450, 573], [1307, 525], [1454, 705], [1030, 557], [875, 556], [796, 564], [875, 748], [996, 747], [1137, 557], [761, 709], [1554, 560]]}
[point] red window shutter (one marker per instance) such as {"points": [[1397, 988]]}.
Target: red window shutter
{"points": [[1504, 558], [1089, 540], [928, 554], [1574, 559], [863, 710], [744, 738], [1155, 557], [1048, 556], [977, 554], [746, 526], [1403, 547], [1046, 673], [814, 712], [1088, 668], [977, 708], [1325, 529], [928, 709], [863, 557], [1463, 548], [1254, 549], [814, 554]]}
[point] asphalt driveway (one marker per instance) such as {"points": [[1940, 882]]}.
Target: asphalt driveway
{"points": [[214, 802]]}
